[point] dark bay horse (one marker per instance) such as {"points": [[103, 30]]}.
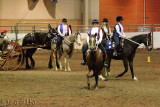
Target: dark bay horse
{"points": [[37, 39], [94, 60], [129, 51]]}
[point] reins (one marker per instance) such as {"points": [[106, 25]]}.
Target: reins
{"points": [[133, 41]]}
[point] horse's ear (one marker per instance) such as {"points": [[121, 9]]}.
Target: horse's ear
{"points": [[89, 34], [49, 26], [95, 35]]}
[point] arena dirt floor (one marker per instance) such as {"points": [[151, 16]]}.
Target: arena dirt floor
{"points": [[43, 87]]}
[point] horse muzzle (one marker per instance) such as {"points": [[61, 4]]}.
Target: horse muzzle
{"points": [[149, 48]]}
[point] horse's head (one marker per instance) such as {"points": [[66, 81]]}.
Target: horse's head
{"points": [[78, 38], [51, 31], [148, 41], [92, 42]]}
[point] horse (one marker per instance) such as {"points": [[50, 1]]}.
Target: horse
{"points": [[67, 50], [37, 39], [128, 53], [94, 60]]}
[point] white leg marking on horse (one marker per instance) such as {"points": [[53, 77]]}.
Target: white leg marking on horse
{"points": [[60, 64], [65, 61], [69, 60], [55, 62], [101, 77], [135, 78]]}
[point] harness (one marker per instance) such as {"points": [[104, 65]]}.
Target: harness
{"points": [[61, 28]]}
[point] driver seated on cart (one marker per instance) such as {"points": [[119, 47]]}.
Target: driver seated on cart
{"points": [[3, 41]]}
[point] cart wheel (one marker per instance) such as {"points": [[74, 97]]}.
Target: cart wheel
{"points": [[13, 57]]}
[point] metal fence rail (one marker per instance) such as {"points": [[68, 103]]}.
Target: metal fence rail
{"points": [[43, 27]]}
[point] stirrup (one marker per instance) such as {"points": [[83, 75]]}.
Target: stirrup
{"points": [[105, 64], [83, 63], [114, 54]]}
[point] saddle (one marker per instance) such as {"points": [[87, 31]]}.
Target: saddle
{"points": [[54, 41]]}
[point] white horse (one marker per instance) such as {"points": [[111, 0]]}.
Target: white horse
{"points": [[68, 47]]}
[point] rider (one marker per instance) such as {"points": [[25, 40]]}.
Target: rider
{"points": [[118, 34], [63, 30], [106, 29], [3, 40], [95, 30]]}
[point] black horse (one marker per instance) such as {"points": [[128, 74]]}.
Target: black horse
{"points": [[129, 51], [37, 39]]}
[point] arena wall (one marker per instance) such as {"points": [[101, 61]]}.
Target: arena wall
{"points": [[13, 11], [131, 10]]}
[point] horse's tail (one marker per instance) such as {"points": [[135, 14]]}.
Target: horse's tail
{"points": [[21, 56], [57, 64]]}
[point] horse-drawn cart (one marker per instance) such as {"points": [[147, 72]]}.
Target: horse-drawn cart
{"points": [[12, 58]]}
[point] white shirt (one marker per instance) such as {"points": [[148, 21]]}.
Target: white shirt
{"points": [[64, 30], [121, 33], [107, 31], [93, 31]]}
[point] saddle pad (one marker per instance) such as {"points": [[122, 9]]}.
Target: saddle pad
{"points": [[110, 45], [54, 41]]}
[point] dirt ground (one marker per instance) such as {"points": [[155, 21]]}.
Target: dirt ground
{"points": [[43, 87]]}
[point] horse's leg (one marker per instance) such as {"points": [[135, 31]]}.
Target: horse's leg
{"points": [[32, 51], [50, 60], [131, 68], [108, 67], [96, 80], [27, 64], [54, 59], [88, 82], [60, 64], [125, 62], [65, 63]]}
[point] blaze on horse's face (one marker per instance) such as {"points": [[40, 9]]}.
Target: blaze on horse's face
{"points": [[148, 42], [78, 38], [92, 42]]}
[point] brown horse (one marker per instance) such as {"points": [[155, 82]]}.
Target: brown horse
{"points": [[68, 47], [94, 60]]}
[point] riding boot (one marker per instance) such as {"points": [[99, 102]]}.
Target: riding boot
{"points": [[84, 60], [104, 61]]}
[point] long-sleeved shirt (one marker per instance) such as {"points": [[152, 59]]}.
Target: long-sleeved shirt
{"points": [[94, 30], [119, 29], [65, 30]]}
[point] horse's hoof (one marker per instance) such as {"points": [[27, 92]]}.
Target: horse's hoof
{"points": [[101, 77], [135, 79], [50, 66], [69, 70], [65, 70], [28, 67]]}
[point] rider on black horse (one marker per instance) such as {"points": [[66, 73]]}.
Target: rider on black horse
{"points": [[106, 29], [118, 34], [63, 30], [95, 31]]}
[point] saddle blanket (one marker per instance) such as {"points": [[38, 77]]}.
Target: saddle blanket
{"points": [[111, 45], [54, 41]]}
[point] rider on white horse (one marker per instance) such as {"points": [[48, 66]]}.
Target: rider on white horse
{"points": [[63, 30], [95, 30]]}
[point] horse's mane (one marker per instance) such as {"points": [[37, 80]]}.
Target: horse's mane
{"points": [[137, 36]]}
